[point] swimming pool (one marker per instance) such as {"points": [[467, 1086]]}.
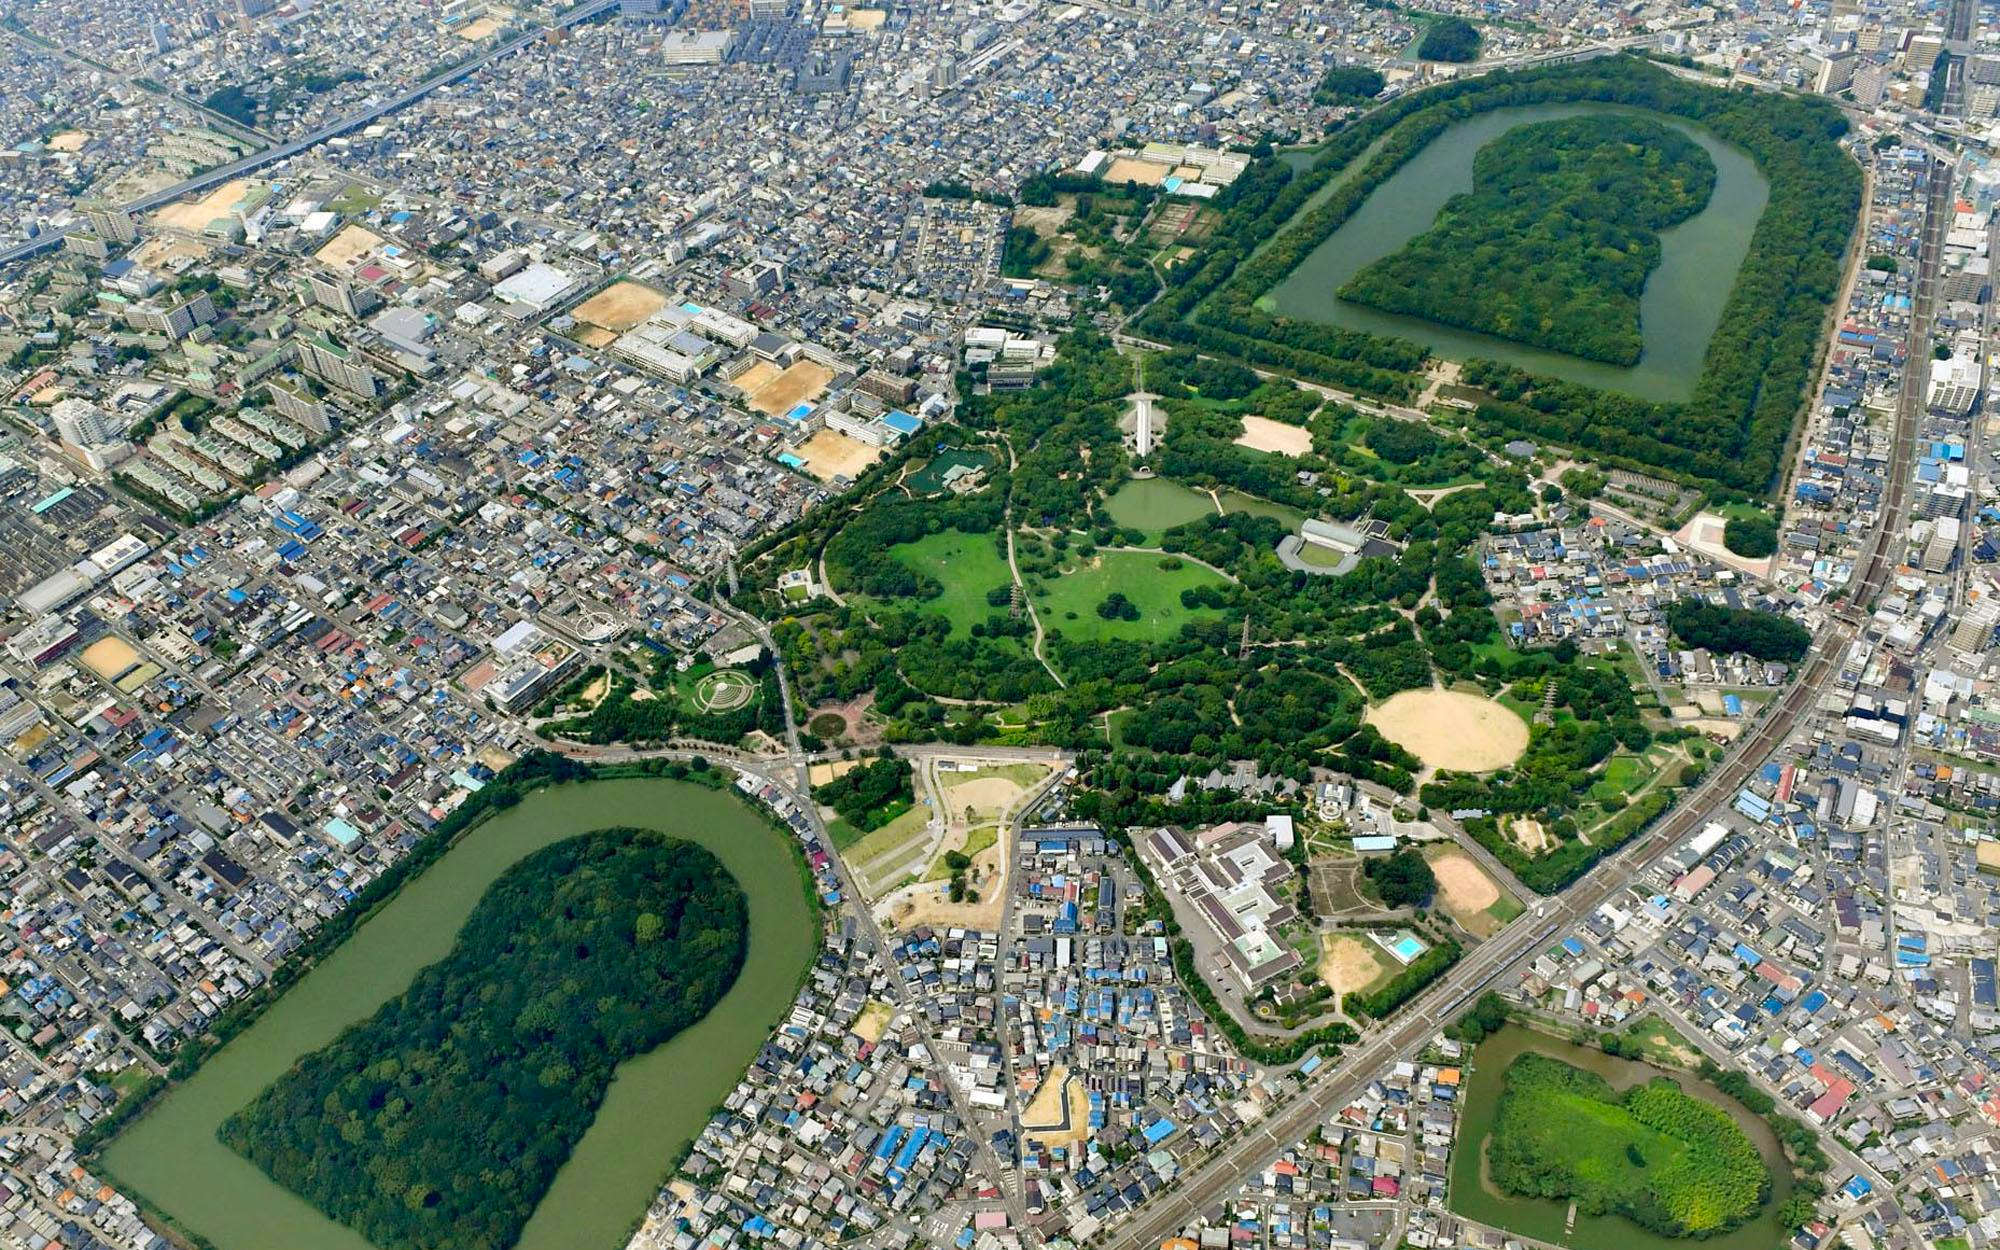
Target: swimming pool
{"points": [[1403, 944]]}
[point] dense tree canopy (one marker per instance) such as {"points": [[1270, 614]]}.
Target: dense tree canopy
{"points": [[1662, 1158], [440, 1121], [1554, 243], [1348, 84], [1752, 536], [869, 795], [1450, 39], [1403, 879], [1765, 635]]}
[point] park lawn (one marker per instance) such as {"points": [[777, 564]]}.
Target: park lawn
{"points": [[1022, 775], [1521, 707], [1154, 505], [1237, 501], [1496, 650], [1505, 908], [981, 839], [684, 685], [1620, 775], [967, 566], [353, 200], [1155, 591], [843, 834]]}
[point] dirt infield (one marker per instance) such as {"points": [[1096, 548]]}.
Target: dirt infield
{"points": [[110, 658], [829, 453], [1467, 893], [801, 380], [1264, 434], [620, 306], [1451, 729], [192, 216], [1130, 169], [351, 242], [1348, 963], [1465, 886]]}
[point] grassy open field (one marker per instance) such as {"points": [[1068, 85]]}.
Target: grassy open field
{"points": [[1620, 775], [888, 855], [1155, 505], [1237, 501], [966, 565], [1155, 591]]}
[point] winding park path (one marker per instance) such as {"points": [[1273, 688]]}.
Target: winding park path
{"points": [[1014, 568]]}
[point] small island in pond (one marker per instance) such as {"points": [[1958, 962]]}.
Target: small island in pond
{"points": [[440, 1121], [1670, 1162], [1553, 245]]}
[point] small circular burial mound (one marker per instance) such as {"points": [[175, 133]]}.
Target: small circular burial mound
{"points": [[1451, 729]]}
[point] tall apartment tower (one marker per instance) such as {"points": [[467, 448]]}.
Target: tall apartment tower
{"points": [[111, 223]]}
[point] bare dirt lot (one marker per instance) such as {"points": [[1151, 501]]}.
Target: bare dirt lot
{"points": [[1336, 888], [109, 657], [1264, 434], [620, 306], [873, 1021], [1452, 729], [350, 243], [1059, 1114], [1128, 169], [191, 217], [829, 452], [163, 251], [820, 774], [801, 380], [1529, 835], [480, 29], [1348, 962], [929, 903], [1044, 219]]}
